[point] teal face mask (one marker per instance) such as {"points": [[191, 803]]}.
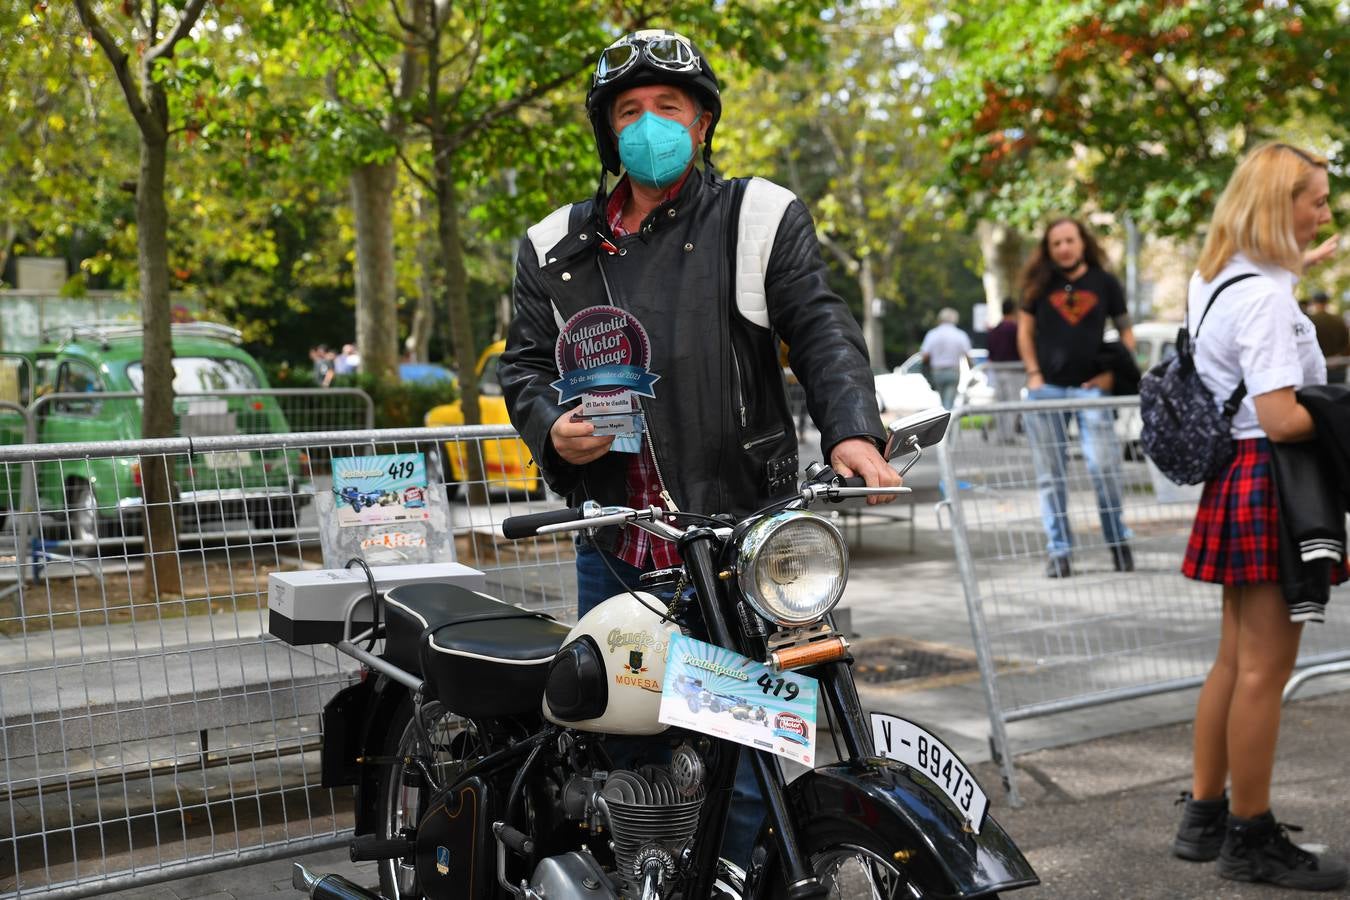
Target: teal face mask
{"points": [[656, 150]]}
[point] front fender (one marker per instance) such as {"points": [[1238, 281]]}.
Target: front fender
{"points": [[878, 801]]}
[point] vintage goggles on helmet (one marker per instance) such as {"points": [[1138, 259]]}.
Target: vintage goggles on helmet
{"points": [[664, 50]]}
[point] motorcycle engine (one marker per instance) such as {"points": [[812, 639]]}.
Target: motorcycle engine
{"points": [[650, 813]]}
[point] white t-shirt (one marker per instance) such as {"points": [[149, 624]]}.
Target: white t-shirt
{"points": [[945, 345], [1254, 332]]}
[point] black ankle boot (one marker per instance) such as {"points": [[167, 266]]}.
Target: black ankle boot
{"points": [[1259, 849], [1058, 567], [1203, 826]]}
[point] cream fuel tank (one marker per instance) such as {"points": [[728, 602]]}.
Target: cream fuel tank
{"points": [[608, 675]]}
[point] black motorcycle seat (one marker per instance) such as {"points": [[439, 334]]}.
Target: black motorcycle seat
{"points": [[479, 656]]}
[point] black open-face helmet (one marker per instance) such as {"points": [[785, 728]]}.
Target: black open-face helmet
{"points": [[652, 56]]}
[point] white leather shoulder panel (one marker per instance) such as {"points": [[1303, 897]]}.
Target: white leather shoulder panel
{"points": [[762, 210], [546, 234]]}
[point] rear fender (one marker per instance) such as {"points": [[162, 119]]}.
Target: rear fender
{"points": [[358, 724], [877, 800]]}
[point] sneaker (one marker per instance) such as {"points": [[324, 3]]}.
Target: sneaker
{"points": [[1122, 557], [1203, 826], [1259, 849], [1058, 567]]}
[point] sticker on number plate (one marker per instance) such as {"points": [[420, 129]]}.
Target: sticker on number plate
{"points": [[905, 742], [718, 692]]}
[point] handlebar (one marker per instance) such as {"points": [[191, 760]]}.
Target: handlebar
{"points": [[658, 522], [517, 527]]}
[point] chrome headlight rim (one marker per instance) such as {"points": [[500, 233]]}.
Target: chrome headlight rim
{"points": [[752, 545]]}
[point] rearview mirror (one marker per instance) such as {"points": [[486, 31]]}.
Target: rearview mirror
{"points": [[916, 431]]}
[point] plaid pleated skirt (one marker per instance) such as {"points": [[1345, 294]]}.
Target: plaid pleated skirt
{"points": [[1235, 538]]}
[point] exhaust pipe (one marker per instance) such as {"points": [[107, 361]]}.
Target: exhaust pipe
{"points": [[328, 887]]}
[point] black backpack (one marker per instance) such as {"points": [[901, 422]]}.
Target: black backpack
{"points": [[1185, 433]]}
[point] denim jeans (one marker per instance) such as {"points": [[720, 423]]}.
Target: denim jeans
{"points": [[945, 382], [595, 584], [1047, 432]]}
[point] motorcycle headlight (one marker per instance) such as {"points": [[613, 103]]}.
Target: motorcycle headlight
{"points": [[792, 567]]}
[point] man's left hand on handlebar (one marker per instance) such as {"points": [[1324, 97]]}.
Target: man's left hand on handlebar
{"points": [[859, 456]]}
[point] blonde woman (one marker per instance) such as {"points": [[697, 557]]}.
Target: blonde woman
{"points": [[1272, 208]]}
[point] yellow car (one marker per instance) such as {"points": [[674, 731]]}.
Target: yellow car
{"points": [[507, 462]]}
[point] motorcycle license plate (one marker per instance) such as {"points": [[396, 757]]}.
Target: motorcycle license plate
{"points": [[903, 741]]}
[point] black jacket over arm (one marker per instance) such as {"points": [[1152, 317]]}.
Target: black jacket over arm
{"points": [[1312, 487]]}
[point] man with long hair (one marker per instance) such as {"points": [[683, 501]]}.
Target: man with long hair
{"points": [[1067, 297]]}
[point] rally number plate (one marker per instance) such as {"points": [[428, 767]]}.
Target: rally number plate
{"points": [[228, 459], [905, 742]]}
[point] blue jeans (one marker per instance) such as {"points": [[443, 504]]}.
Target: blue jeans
{"points": [[1049, 454], [945, 382], [595, 585]]}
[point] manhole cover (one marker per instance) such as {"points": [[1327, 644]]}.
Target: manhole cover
{"points": [[887, 660]]}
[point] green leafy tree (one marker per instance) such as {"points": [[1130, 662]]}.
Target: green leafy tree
{"points": [[63, 181], [848, 135], [1139, 106]]}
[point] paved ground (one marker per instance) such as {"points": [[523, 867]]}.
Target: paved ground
{"points": [[1096, 822]]}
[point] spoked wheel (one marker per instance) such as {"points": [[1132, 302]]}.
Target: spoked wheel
{"points": [[853, 866], [856, 872], [403, 793]]}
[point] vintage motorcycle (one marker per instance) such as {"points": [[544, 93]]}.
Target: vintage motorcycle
{"points": [[480, 741]]}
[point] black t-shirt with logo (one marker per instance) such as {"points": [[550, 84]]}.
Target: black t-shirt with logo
{"points": [[1070, 320]]}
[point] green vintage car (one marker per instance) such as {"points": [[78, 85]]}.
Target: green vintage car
{"points": [[69, 384]]}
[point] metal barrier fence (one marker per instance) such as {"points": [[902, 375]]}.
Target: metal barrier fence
{"points": [[1049, 645], [75, 416], [150, 727]]}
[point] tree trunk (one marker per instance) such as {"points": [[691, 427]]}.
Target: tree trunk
{"points": [[505, 311], [872, 332], [455, 281], [7, 235], [157, 421], [1002, 249], [424, 314], [418, 345], [372, 188], [1134, 301]]}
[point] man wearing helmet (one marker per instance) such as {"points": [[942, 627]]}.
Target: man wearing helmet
{"points": [[675, 246], [717, 273]]}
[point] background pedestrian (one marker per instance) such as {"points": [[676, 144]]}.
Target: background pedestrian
{"points": [[348, 361], [1005, 369], [1067, 298], [944, 348]]}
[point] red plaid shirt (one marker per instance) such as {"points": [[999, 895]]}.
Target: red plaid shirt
{"points": [[644, 485]]}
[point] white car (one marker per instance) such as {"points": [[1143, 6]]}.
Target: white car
{"points": [[1154, 342], [901, 393], [906, 390]]}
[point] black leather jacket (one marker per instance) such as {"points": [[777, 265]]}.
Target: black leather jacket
{"points": [[1312, 490], [721, 430]]}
